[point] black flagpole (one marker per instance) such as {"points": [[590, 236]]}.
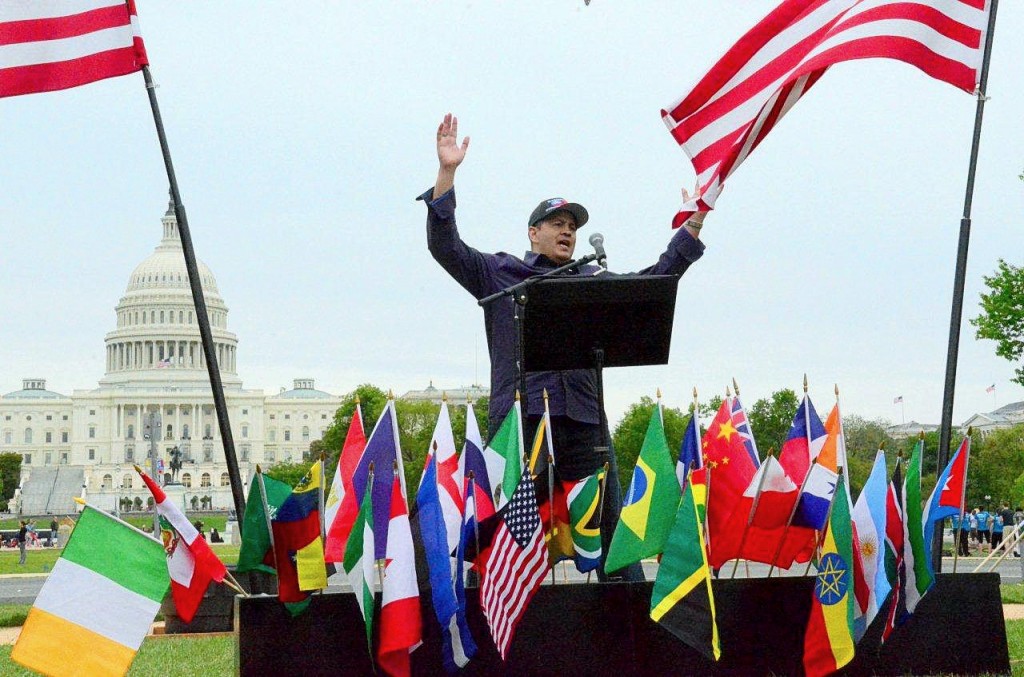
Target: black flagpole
{"points": [[956, 315], [201, 313]]}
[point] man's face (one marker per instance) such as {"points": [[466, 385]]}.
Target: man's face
{"points": [[554, 237]]}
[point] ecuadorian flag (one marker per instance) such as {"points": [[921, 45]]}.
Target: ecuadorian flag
{"points": [[828, 642], [650, 506]]}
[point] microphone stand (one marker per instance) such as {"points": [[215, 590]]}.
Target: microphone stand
{"points": [[518, 293]]}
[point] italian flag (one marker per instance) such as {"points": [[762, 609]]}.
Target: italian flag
{"points": [[98, 603], [190, 562]]}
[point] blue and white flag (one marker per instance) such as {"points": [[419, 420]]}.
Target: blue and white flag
{"points": [[457, 645], [869, 518]]}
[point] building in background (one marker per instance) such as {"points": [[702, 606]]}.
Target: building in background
{"points": [[84, 444]]}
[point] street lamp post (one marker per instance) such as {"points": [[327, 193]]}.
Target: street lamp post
{"points": [[151, 430]]}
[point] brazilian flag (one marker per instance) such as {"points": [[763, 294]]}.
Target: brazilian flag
{"points": [[651, 502], [682, 601]]}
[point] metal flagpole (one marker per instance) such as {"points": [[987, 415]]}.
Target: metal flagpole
{"points": [[960, 275], [200, 303]]}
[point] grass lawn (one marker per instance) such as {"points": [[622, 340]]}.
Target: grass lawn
{"points": [[171, 656], [135, 519], [37, 561], [41, 561]]}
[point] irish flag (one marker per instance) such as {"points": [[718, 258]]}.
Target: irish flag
{"points": [[98, 603], [190, 562]]}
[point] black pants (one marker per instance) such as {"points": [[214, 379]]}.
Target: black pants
{"points": [[580, 449], [965, 543]]}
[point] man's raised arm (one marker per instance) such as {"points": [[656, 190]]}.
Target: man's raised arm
{"points": [[449, 154]]}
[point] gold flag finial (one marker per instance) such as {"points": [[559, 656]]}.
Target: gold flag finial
{"points": [[357, 399], [545, 394], [658, 392], [837, 391], [728, 393], [444, 397], [517, 394], [805, 383], [735, 386]]}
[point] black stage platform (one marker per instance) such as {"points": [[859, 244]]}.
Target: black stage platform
{"points": [[604, 629]]}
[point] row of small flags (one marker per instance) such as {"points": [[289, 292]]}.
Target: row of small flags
{"points": [[866, 552], [787, 511]]}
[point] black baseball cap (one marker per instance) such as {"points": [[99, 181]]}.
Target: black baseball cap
{"points": [[559, 204]]}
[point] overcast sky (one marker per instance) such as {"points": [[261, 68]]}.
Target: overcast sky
{"points": [[301, 132]]}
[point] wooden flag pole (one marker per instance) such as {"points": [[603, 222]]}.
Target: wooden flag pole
{"points": [[202, 316], [960, 275]]}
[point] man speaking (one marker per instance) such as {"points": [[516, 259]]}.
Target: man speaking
{"points": [[577, 432]]}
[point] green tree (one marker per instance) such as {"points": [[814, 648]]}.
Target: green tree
{"points": [[771, 417], [1002, 314], [416, 422], [863, 440], [710, 408], [10, 473], [372, 400], [288, 472], [994, 468], [631, 429]]}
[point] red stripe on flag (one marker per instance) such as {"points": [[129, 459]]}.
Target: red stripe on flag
{"points": [[57, 28], [902, 49], [50, 77]]}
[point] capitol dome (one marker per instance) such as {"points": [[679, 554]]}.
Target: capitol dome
{"points": [[156, 320]]}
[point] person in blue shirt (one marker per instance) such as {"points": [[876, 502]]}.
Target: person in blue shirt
{"points": [[964, 537], [578, 426], [997, 530], [984, 532]]}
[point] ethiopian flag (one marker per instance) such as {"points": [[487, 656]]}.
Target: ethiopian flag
{"points": [[682, 600], [98, 603], [828, 642], [651, 503]]}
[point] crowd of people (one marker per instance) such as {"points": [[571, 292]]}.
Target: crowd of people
{"points": [[982, 531]]}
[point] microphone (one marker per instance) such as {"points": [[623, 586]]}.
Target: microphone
{"points": [[597, 242]]}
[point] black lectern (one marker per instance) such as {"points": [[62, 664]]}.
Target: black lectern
{"points": [[588, 322]]}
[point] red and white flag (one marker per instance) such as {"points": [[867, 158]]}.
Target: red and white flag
{"points": [[46, 45], [400, 623], [734, 106], [516, 566], [190, 562], [342, 505]]}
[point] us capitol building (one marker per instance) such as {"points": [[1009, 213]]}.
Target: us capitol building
{"points": [[85, 444]]}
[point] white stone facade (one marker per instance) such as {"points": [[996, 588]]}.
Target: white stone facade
{"points": [[155, 362]]}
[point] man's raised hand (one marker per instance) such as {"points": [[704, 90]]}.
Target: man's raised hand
{"points": [[449, 153]]}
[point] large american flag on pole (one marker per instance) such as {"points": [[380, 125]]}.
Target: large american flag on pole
{"points": [[734, 106], [46, 45], [517, 564]]}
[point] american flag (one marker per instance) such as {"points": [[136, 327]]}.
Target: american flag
{"points": [[991, 389], [46, 46], [734, 106], [517, 564]]}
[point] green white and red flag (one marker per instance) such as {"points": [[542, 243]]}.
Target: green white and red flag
{"points": [[190, 561]]}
